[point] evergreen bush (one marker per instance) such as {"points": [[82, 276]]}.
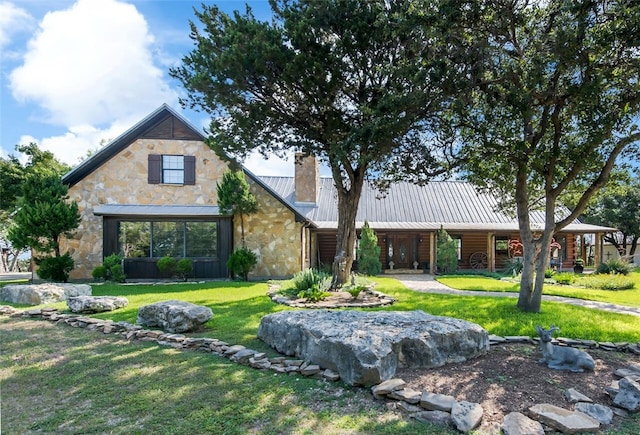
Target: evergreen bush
{"points": [[368, 253], [111, 269], [447, 252], [240, 263], [184, 267], [56, 269]]}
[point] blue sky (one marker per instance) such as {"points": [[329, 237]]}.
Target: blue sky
{"points": [[75, 73]]}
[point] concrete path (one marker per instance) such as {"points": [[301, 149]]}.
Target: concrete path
{"points": [[427, 284], [12, 276]]}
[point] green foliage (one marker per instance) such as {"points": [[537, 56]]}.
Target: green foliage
{"points": [[99, 272], [166, 264], [615, 265], [513, 266], [564, 278], [368, 253], [235, 198], [548, 273], [608, 282], [447, 252], [313, 294], [44, 215], [475, 272], [55, 268], [240, 263], [529, 149], [184, 267], [111, 269], [307, 278], [304, 81]]}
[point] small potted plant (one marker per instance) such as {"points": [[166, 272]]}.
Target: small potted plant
{"points": [[578, 265]]}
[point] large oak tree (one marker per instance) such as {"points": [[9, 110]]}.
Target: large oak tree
{"points": [[555, 109], [353, 82]]}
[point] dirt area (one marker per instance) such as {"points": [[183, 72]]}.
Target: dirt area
{"points": [[509, 378]]}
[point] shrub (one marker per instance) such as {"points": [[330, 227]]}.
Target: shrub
{"points": [[447, 252], [99, 272], [476, 272], [111, 269], [548, 273], [615, 266], [313, 294], [166, 264], [55, 268], [369, 252], [608, 282], [184, 267], [513, 266], [240, 263], [307, 278], [565, 278]]}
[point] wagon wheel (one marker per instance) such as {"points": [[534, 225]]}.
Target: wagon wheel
{"points": [[478, 260]]}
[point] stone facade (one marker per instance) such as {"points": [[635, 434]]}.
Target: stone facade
{"points": [[272, 233]]}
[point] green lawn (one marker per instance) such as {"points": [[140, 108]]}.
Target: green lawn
{"points": [[478, 283], [64, 380]]}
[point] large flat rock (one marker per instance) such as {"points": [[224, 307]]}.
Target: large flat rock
{"points": [[366, 348], [174, 316], [46, 293]]}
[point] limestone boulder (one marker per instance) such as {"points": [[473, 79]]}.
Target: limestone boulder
{"points": [[95, 304], [628, 396], [46, 293], [366, 348], [174, 316], [569, 422]]}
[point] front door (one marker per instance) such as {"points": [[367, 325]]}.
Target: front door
{"points": [[400, 251]]}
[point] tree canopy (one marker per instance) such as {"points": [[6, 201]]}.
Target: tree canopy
{"points": [[355, 83], [555, 106]]}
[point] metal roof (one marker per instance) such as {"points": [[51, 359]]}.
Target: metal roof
{"points": [[157, 210], [454, 205]]}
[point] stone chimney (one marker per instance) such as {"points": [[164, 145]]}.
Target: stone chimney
{"points": [[307, 178]]}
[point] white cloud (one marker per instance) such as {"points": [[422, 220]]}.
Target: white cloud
{"points": [[92, 64], [72, 146], [13, 20], [274, 166]]}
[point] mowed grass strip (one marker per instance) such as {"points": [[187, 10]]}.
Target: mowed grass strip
{"points": [[629, 298], [58, 379]]}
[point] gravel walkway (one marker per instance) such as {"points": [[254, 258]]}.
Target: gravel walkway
{"points": [[427, 284]]}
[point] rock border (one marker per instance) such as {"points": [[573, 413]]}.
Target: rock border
{"points": [[421, 405]]}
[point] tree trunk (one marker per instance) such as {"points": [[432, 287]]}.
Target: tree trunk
{"points": [[348, 200], [634, 244]]}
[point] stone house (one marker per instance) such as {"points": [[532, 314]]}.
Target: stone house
{"points": [[151, 192]]}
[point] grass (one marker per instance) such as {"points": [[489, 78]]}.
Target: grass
{"points": [[63, 380], [629, 298]]}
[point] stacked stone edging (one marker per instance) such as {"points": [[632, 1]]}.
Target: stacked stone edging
{"points": [[423, 406]]}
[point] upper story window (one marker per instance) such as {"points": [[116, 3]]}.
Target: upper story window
{"points": [[172, 169]]}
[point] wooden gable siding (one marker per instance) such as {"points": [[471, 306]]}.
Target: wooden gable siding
{"points": [[170, 127]]}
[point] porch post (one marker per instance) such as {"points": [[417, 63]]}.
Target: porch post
{"points": [[433, 248], [491, 254], [598, 248]]}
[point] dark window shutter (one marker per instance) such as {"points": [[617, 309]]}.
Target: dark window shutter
{"points": [[155, 169], [189, 170]]}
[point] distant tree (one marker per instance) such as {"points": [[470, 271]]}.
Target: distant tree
{"points": [[447, 252], [42, 217], [368, 253], [235, 198], [354, 83], [618, 206], [555, 106], [13, 176]]}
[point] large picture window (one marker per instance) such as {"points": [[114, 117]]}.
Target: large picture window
{"points": [[140, 239]]}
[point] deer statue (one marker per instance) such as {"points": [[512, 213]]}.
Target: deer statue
{"points": [[562, 358]]}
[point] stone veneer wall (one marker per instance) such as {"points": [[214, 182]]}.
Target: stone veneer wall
{"points": [[272, 233], [123, 180]]}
